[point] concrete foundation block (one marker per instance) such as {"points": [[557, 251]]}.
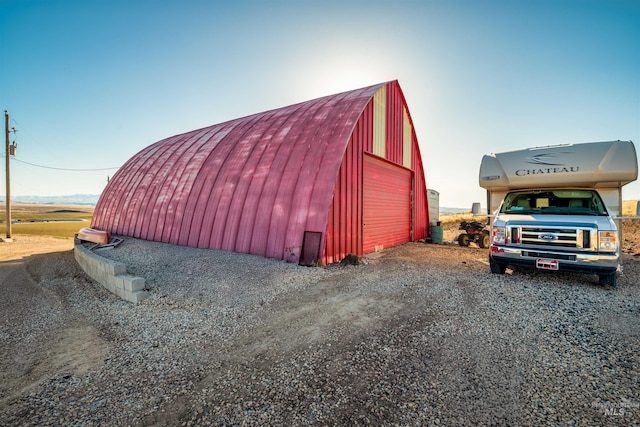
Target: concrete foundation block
{"points": [[132, 283], [111, 275]]}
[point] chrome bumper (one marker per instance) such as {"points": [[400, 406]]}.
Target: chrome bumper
{"points": [[568, 261]]}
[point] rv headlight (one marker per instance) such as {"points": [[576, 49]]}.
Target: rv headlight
{"points": [[498, 236], [608, 240]]}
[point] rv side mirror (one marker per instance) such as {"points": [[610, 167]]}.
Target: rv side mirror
{"points": [[638, 208]]}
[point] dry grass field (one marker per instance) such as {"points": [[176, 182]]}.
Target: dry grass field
{"points": [[47, 220], [629, 207]]}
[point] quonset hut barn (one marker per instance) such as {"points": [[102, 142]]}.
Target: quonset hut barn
{"points": [[309, 183]]}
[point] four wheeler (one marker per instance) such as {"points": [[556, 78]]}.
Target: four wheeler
{"points": [[476, 232]]}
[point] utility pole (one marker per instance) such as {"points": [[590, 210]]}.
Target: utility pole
{"points": [[7, 201]]}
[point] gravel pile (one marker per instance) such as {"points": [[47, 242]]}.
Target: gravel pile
{"points": [[416, 335]]}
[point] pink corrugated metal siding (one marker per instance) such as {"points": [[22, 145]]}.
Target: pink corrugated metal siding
{"points": [[421, 211], [386, 204], [394, 150], [395, 124], [266, 151], [396, 102], [344, 231], [250, 185], [257, 183]]}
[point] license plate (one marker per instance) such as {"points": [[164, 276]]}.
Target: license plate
{"points": [[547, 264]]}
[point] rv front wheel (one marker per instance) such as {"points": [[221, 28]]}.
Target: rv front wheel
{"points": [[497, 267], [608, 279]]}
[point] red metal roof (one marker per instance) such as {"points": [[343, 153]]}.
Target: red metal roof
{"points": [[251, 185]]}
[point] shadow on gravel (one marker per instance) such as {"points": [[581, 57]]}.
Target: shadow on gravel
{"points": [[40, 337]]}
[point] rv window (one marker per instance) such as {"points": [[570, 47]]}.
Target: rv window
{"points": [[554, 202], [570, 194]]}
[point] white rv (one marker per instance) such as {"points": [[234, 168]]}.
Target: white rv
{"points": [[555, 207]]}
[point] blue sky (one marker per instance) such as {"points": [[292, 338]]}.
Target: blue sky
{"points": [[90, 83]]}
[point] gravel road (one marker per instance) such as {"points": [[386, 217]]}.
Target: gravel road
{"points": [[416, 335]]}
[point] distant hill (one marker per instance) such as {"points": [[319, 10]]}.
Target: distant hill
{"points": [[445, 210], [74, 199]]}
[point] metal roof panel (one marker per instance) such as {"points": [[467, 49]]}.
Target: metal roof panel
{"points": [[253, 184]]}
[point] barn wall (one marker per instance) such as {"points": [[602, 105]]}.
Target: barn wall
{"points": [[344, 230], [257, 184], [407, 134], [420, 209], [345, 227], [379, 122], [254, 184], [395, 124], [398, 124]]}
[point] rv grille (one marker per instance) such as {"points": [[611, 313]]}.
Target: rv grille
{"points": [[552, 237], [547, 255]]}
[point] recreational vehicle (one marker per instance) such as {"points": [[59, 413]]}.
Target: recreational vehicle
{"points": [[558, 207]]}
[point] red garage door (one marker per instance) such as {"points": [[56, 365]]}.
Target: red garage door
{"points": [[387, 204]]}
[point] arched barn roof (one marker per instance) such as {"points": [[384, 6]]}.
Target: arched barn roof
{"points": [[250, 185]]}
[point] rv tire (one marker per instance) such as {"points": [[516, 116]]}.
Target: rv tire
{"points": [[497, 267], [608, 279]]}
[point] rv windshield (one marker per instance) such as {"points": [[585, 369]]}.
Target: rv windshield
{"points": [[554, 202]]}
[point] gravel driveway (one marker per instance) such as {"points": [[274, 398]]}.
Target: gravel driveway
{"points": [[418, 335]]}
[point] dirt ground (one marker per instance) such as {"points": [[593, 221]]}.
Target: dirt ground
{"points": [[80, 347], [25, 246]]}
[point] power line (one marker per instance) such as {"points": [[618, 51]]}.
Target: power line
{"points": [[64, 169], [56, 168]]}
